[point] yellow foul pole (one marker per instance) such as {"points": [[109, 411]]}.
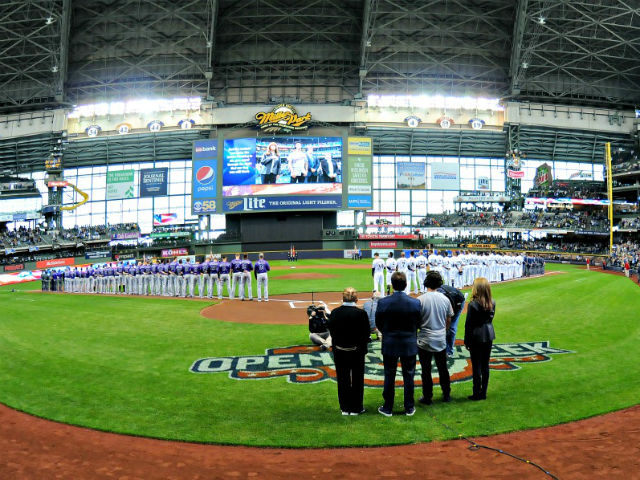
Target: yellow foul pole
{"points": [[609, 194]]}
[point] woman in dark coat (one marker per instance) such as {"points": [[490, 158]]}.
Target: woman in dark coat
{"points": [[479, 335]]}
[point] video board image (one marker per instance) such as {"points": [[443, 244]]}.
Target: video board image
{"points": [[281, 166]]}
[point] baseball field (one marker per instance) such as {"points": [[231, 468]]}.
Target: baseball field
{"points": [[566, 349]]}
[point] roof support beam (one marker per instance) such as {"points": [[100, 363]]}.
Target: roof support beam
{"points": [[211, 44], [368, 14], [515, 68], [65, 26]]}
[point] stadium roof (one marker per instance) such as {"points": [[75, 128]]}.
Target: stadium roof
{"points": [[54, 52]]}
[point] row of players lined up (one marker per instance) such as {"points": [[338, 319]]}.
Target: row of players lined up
{"points": [[178, 278], [458, 270]]}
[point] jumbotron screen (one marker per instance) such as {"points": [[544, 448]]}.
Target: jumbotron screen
{"points": [[282, 166]]}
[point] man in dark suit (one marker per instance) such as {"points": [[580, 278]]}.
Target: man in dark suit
{"points": [[397, 318], [349, 328], [329, 169]]}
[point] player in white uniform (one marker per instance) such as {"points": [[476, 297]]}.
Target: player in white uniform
{"points": [[446, 269], [421, 262], [520, 264], [403, 267], [392, 266], [457, 271], [411, 273], [377, 270]]}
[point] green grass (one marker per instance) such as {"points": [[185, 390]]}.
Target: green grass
{"points": [[122, 364]]}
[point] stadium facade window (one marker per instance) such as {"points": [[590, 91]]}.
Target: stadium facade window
{"points": [[416, 204]]}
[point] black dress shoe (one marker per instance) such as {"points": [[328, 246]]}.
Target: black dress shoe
{"points": [[425, 401], [474, 398], [446, 398]]}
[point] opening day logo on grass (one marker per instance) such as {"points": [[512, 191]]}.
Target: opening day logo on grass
{"points": [[309, 364]]}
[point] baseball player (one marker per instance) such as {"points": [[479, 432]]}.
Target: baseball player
{"points": [[421, 263], [224, 268], [180, 285], [67, 279], [163, 269], [412, 266], [260, 271], [188, 277], [237, 278], [247, 268], [118, 274], [91, 277], [392, 266], [173, 278], [196, 273], [403, 267], [214, 278], [203, 279], [377, 271]]}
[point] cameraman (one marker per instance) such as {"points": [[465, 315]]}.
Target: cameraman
{"points": [[319, 326]]}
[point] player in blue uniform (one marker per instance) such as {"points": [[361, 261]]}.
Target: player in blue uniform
{"points": [[224, 268], [214, 277], [203, 278], [237, 278], [247, 268], [260, 271]]}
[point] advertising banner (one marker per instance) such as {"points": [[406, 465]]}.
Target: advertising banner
{"points": [[359, 182], [204, 180], [515, 173], [410, 175], [445, 176], [360, 201], [125, 236], [153, 182], [359, 146], [205, 149], [306, 202], [543, 177], [124, 256], [14, 268], [55, 262], [120, 184], [169, 234], [386, 236], [204, 186], [174, 252], [383, 244], [98, 254], [483, 184], [359, 175]]}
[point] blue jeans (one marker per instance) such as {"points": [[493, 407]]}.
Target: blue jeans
{"points": [[453, 329]]}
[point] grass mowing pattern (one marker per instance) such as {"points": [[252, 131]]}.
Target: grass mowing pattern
{"points": [[121, 364]]}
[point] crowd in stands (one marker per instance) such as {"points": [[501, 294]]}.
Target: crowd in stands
{"points": [[627, 251], [625, 161], [629, 224], [587, 221], [40, 235], [571, 189]]}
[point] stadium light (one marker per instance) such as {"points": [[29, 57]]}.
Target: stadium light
{"points": [[434, 101], [136, 106]]}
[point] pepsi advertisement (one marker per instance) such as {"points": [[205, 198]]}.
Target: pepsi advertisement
{"points": [[204, 171]]}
